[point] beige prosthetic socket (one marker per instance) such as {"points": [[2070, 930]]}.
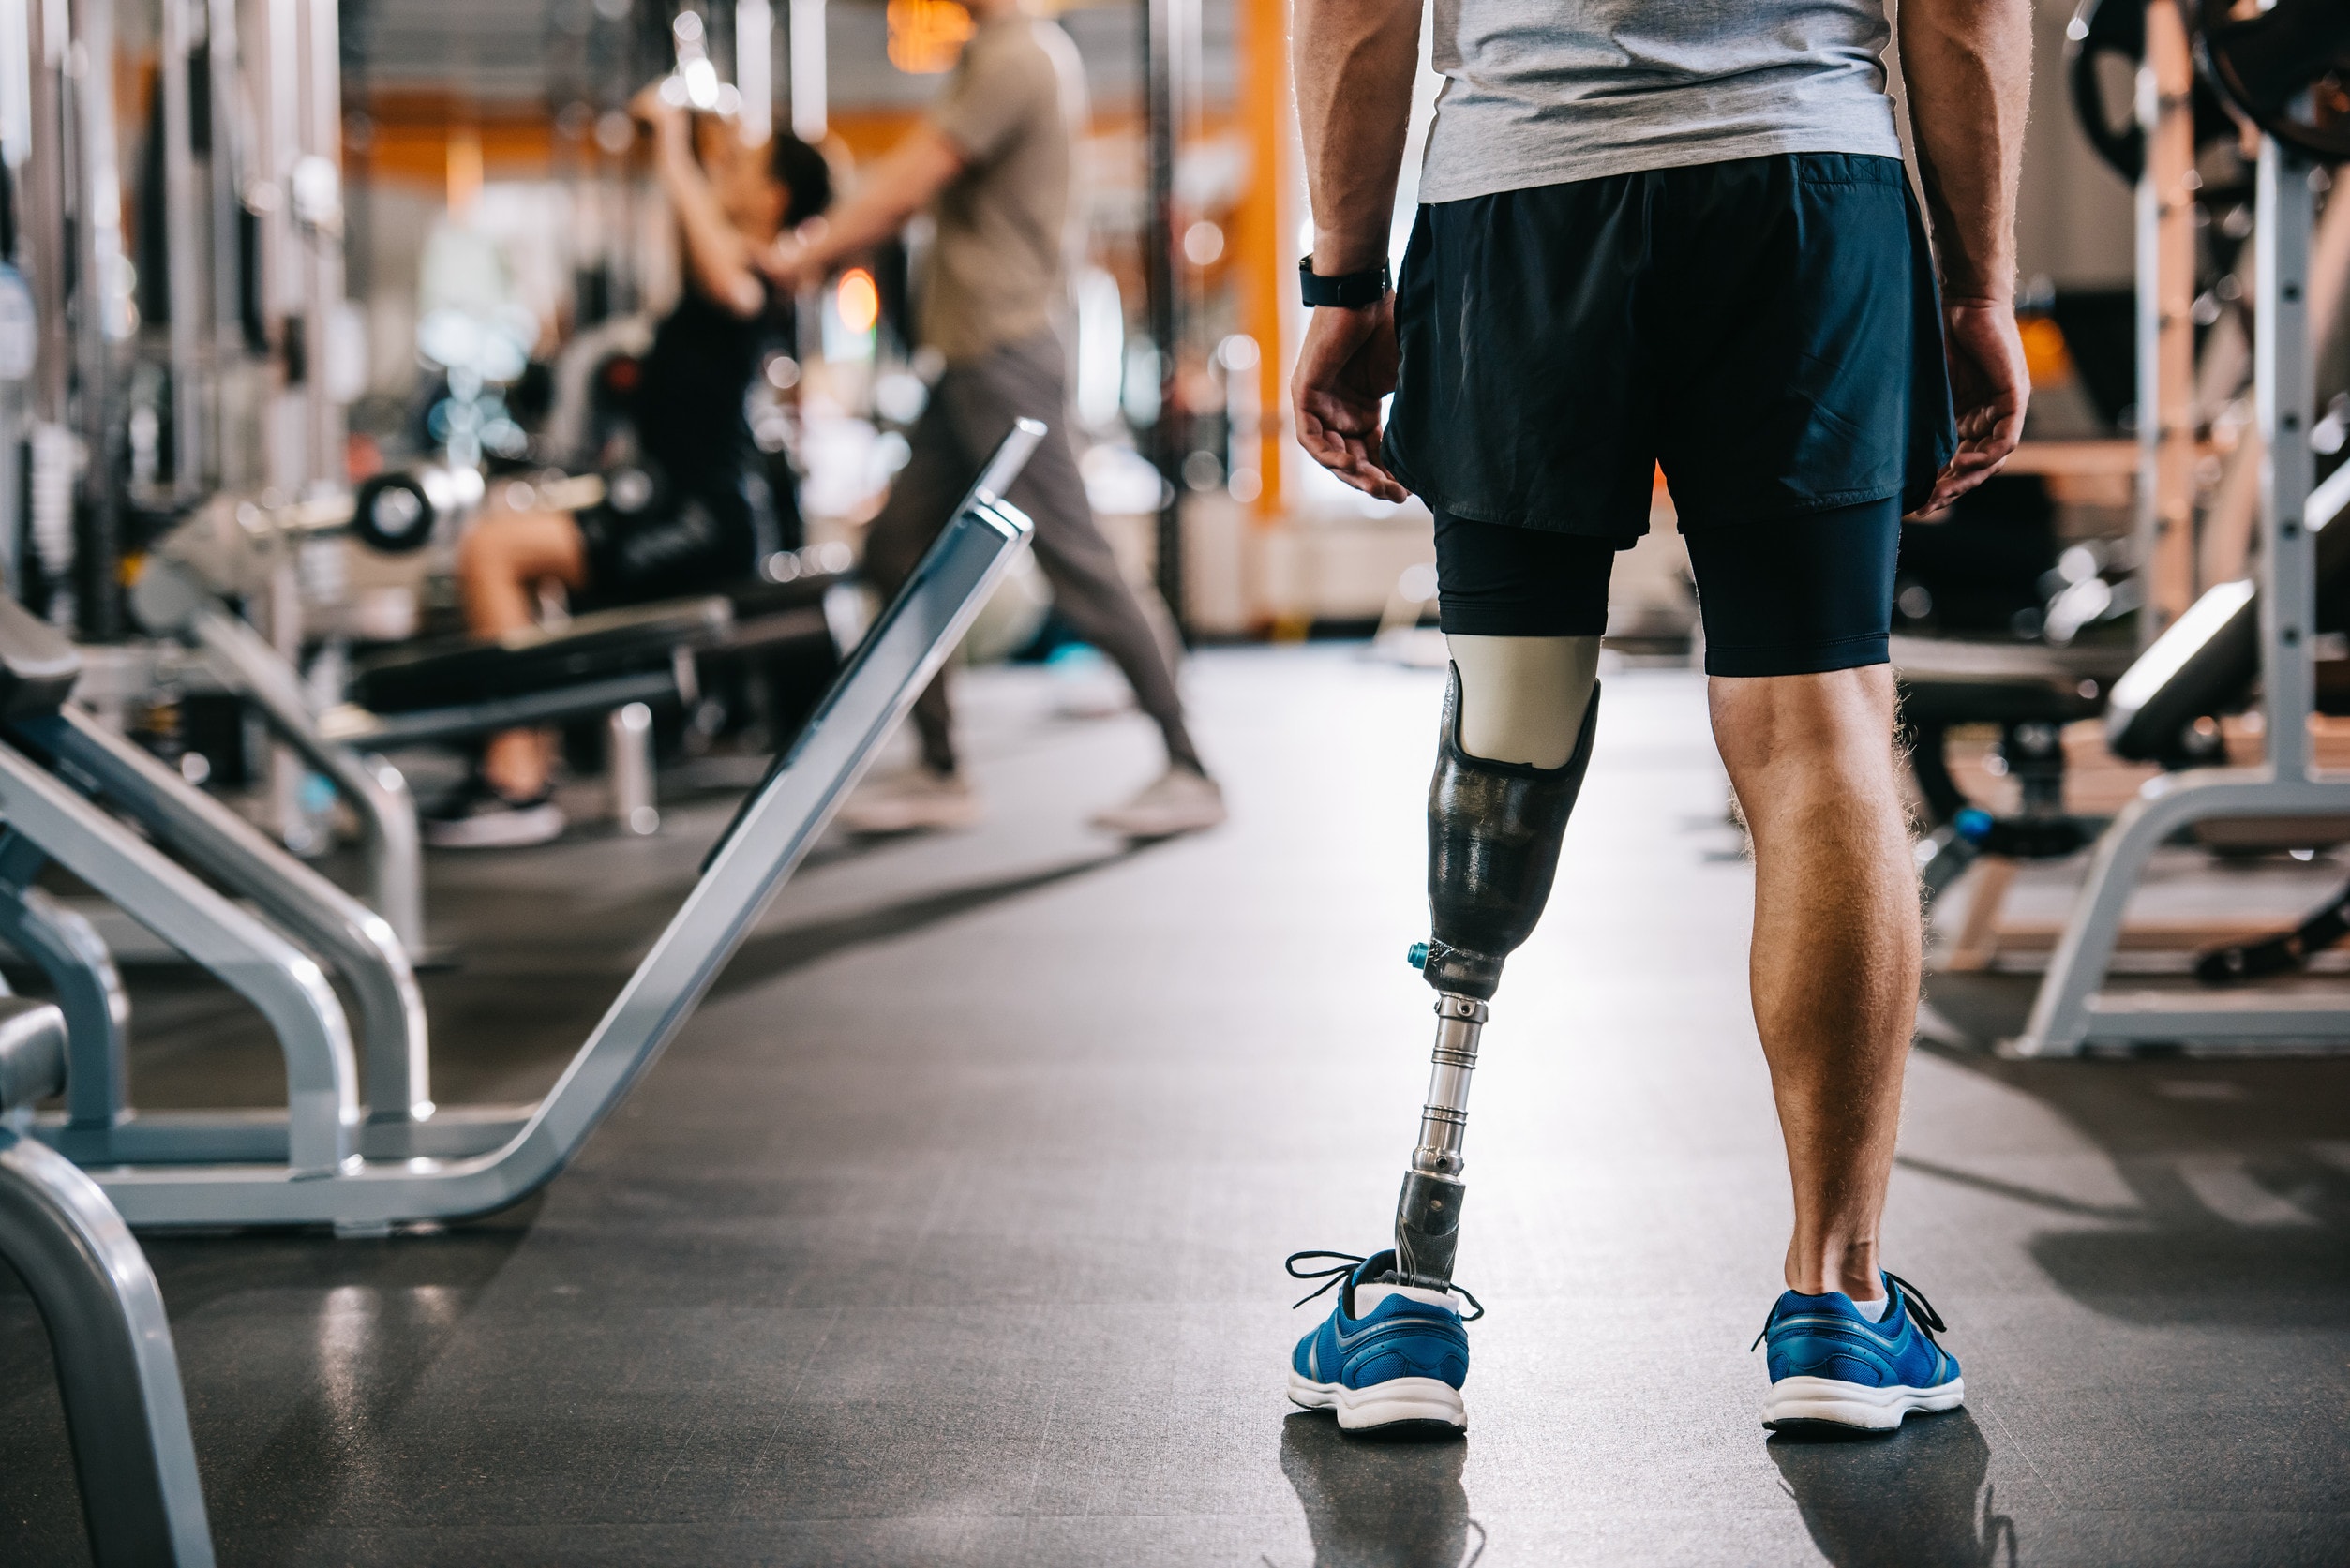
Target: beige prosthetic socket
{"points": [[1523, 698]]}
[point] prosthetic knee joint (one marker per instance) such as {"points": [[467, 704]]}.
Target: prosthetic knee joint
{"points": [[1493, 833]]}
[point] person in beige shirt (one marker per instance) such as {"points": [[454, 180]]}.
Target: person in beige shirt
{"points": [[991, 161]]}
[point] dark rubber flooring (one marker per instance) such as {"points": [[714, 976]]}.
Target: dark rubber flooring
{"points": [[950, 1231]]}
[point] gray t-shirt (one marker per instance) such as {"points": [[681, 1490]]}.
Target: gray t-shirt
{"points": [[997, 266], [1541, 92]]}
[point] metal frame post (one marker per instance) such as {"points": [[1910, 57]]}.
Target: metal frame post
{"points": [[1167, 23], [117, 1372], [64, 945], [184, 246], [628, 767], [97, 230], [2284, 392], [283, 982], [2165, 325]]}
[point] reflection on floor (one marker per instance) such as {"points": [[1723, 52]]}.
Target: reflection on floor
{"points": [[951, 1231]]}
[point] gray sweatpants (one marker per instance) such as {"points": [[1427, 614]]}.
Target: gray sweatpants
{"points": [[971, 410]]}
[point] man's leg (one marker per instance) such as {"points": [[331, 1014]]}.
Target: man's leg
{"points": [[1088, 590], [1836, 950], [1796, 610], [500, 566], [1523, 610], [1803, 703], [1520, 716], [932, 794], [1091, 593], [936, 473]]}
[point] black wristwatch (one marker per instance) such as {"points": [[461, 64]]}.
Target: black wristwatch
{"points": [[1348, 292]]}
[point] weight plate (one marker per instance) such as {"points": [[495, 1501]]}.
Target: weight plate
{"points": [[2287, 70]]}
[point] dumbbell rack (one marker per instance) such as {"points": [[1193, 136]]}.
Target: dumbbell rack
{"points": [[2075, 1013]]}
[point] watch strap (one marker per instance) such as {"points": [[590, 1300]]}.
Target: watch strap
{"points": [[1348, 291]]}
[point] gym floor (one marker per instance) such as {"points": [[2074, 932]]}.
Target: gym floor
{"points": [[950, 1231]]}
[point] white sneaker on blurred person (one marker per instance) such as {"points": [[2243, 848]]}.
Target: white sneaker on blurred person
{"points": [[1180, 800], [919, 799], [480, 816]]}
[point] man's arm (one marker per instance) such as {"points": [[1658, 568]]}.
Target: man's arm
{"points": [[902, 183], [1356, 64], [1966, 65]]}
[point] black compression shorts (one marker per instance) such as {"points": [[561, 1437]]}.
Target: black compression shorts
{"points": [[1803, 595], [666, 542]]}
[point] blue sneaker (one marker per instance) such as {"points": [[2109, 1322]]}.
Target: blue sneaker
{"points": [[1833, 1369], [1389, 1357]]}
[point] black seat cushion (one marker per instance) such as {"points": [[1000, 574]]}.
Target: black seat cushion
{"points": [[38, 663], [758, 597], [1948, 680], [446, 672]]}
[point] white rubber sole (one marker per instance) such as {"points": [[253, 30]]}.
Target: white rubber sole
{"points": [[1798, 1402], [515, 829], [1397, 1402]]}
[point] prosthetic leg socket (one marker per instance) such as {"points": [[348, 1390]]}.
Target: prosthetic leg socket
{"points": [[1493, 835]]}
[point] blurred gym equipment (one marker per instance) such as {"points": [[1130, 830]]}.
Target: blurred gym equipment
{"points": [[117, 1374], [2075, 1010], [482, 1161]]}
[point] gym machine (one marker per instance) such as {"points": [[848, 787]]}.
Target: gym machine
{"points": [[2031, 690], [443, 1163], [117, 1374], [2187, 189], [2283, 70]]}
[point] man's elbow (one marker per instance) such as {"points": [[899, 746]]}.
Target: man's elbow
{"points": [[935, 161]]}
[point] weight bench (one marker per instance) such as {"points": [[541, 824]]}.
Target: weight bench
{"points": [[316, 1162], [117, 1374], [2031, 691], [614, 664]]}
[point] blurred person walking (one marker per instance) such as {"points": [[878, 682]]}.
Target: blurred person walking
{"points": [[991, 162]]}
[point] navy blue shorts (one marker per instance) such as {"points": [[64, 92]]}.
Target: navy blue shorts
{"points": [[1767, 330]]}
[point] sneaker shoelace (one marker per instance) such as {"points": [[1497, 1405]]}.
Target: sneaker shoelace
{"points": [[1347, 1262], [1921, 1311]]}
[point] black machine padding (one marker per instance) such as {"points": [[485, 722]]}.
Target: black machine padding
{"points": [[2206, 661], [38, 664], [2203, 662], [1951, 680], [449, 671]]}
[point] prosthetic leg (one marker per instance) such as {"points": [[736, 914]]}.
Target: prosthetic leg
{"points": [[1493, 833]]}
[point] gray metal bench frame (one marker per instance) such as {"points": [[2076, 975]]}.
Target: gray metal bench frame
{"points": [[117, 1373], [334, 1171]]}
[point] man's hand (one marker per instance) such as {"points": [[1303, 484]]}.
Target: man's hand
{"points": [[1989, 387], [1347, 365], [796, 261]]}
